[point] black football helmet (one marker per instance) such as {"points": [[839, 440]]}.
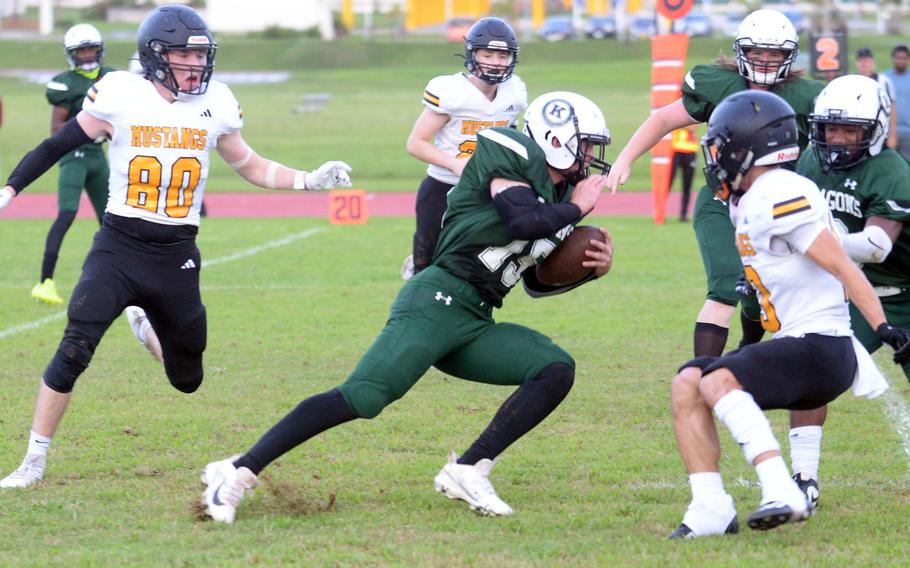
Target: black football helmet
{"points": [[749, 128], [490, 33], [174, 27]]}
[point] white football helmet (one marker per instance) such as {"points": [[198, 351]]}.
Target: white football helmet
{"points": [[850, 99], [767, 29], [568, 118], [77, 37]]}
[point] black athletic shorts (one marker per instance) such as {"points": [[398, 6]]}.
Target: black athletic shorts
{"points": [[793, 373]]}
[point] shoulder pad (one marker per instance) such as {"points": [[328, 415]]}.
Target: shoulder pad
{"points": [[445, 94]]}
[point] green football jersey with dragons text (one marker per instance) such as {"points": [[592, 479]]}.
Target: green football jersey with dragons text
{"points": [[475, 244], [705, 86], [67, 90], [876, 187]]}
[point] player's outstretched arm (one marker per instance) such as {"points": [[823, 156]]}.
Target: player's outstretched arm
{"points": [[826, 252], [661, 122], [81, 130], [267, 173]]}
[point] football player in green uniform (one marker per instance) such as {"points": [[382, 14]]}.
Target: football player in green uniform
{"points": [[519, 195], [867, 188], [766, 46], [86, 166]]}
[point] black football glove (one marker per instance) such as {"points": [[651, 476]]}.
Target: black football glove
{"points": [[744, 287], [898, 338]]}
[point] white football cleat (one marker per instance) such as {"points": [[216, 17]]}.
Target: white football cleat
{"points": [[30, 472], [226, 486], [471, 484], [407, 268]]}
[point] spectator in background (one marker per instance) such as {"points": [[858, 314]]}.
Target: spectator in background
{"points": [[901, 81], [865, 66], [684, 147]]}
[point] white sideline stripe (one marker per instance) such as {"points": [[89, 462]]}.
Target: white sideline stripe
{"points": [[31, 325], [898, 411], [259, 248], [8, 332]]}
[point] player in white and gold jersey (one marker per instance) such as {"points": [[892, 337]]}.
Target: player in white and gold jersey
{"points": [[456, 108], [163, 126], [800, 272]]}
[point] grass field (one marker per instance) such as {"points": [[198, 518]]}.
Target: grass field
{"points": [[599, 483]]}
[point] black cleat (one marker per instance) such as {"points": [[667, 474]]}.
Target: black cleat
{"points": [[809, 487], [683, 532], [774, 514]]}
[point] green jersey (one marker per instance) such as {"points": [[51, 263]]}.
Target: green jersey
{"points": [[876, 187], [67, 90], [705, 86], [475, 244]]}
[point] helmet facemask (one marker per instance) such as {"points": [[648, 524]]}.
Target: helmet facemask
{"points": [[777, 73], [164, 72], [89, 63], [588, 154], [726, 166], [841, 156], [490, 74]]}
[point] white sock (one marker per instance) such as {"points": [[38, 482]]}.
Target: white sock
{"points": [[747, 423], [711, 509], [706, 485], [805, 450], [776, 484], [38, 444]]}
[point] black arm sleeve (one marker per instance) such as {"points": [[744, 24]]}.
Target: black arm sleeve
{"points": [[536, 289], [527, 218], [46, 154]]}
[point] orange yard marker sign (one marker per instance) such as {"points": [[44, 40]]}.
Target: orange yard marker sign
{"points": [[668, 58], [348, 207]]}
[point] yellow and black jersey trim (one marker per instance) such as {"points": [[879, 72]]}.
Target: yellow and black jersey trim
{"points": [[92, 93], [431, 98], [790, 207]]}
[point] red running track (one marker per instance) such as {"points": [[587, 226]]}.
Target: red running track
{"points": [[288, 204]]}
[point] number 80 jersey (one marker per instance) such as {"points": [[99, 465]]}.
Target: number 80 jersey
{"points": [[159, 153]]}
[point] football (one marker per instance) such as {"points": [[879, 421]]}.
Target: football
{"points": [[563, 266]]}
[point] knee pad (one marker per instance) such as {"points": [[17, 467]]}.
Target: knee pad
{"points": [[183, 354], [72, 357]]}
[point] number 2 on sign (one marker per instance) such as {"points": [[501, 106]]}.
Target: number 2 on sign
{"points": [[348, 207]]}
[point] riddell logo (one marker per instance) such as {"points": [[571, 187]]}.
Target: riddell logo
{"points": [[788, 155]]}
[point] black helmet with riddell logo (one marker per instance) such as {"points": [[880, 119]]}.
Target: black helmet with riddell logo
{"points": [[749, 128], [494, 34], [171, 28]]}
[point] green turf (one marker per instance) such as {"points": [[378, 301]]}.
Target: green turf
{"points": [[598, 483]]}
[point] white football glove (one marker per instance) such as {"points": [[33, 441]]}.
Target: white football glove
{"points": [[327, 176], [6, 195]]}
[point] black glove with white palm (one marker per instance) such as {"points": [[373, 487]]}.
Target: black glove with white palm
{"points": [[898, 338], [329, 175]]}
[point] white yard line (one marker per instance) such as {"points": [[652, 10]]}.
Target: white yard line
{"points": [[896, 406], [10, 331]]}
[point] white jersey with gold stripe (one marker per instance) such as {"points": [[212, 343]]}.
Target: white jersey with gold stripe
{"points": [[469, 111], [159, 154], [777, 220]]}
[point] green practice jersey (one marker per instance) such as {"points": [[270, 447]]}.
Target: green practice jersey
{"points": [[876, 187], [67, 90], [475, 244], [705, 86]]}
